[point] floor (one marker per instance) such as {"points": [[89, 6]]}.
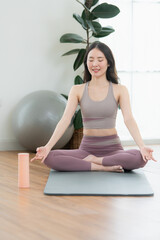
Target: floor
{"points": [[29, 214]]}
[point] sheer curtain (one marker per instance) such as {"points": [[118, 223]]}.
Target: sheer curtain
{"points": [[135, 46]]}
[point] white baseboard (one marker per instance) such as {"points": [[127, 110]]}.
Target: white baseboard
{"points": [[10, 145], [146, 141]]}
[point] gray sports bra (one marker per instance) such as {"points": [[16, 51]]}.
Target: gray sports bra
{"points": [[98, 114]]}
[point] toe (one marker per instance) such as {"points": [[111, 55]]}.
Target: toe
{"points": [[119, 168]]}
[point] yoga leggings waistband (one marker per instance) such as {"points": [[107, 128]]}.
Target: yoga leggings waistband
{"points": [[101, 145]]}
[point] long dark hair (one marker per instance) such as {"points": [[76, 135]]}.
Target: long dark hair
{"points": [[111, 72]]}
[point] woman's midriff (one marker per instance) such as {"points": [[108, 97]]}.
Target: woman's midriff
{"points": [[99, 132]]}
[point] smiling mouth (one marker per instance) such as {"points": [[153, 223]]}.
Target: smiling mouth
{"points": [[95, 70]]}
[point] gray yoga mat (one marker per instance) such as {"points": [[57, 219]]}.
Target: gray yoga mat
{"points": [[133, 183]]}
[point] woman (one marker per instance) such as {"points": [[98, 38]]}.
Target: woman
{"points": [[98, 96]]}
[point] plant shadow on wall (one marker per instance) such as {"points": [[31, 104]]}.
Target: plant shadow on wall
{"points": [[89, 22]]}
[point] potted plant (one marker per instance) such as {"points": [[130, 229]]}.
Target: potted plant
{"points": [[89, 22]]}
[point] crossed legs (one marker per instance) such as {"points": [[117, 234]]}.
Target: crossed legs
{"points": [[80, 160], [128, 159]]}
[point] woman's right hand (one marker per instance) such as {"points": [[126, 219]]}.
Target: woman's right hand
{"points": [[42, 153]]}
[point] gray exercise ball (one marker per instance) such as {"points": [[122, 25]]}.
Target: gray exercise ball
{"points": [[35, 118]]}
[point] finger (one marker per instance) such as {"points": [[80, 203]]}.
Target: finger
{"points": [[37, 149], [144, 159], [43, 159], [150, 149], [36, 158], [151, 158], [154, 159], [150, 152], [39, 158], [32, 159]]}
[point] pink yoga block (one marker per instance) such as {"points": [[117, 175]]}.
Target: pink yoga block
{"points": [[23, 170]]}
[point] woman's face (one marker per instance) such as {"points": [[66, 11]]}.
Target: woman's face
{"points": [[97, 63]]}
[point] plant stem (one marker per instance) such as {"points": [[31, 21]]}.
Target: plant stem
{"points": [[83, 5], [87, 38]]}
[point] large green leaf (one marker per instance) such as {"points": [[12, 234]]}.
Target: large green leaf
{"points": [[78, 120], [97, 26], [84, 15], [74, 51], [104, 32], [95, 2], [91, 26], [105, 10], [78, 80], [80, 20], [79, 59], [71, 38], [88, 16]]}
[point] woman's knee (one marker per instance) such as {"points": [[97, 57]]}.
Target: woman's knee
{"points": [[51, 158], [139, 162]]}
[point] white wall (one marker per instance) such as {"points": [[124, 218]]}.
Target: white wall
{"points": [[30, 54]]}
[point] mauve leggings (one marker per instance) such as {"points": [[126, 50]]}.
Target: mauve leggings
{"points": [[108, 147]]}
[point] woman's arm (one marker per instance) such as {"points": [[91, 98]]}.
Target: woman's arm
{"points": [[64, 122], [124, 101]]}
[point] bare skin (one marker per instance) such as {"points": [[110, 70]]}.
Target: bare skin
{"points": [[96, 165]]}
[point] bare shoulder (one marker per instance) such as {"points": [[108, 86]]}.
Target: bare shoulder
{"points": [[78, 90], [119, 88], [117, 91], [123, 89], [123, 94]]}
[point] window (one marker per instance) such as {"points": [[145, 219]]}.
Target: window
{"points": [[135, 45]]}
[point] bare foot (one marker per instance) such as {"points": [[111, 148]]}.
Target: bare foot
{"points": [[96, 167], [93, 159]]}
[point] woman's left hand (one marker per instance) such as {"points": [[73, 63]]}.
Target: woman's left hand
{"points": [[147, 153]]}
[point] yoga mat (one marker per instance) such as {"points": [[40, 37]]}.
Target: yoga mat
{"points": [[94, 183]]}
